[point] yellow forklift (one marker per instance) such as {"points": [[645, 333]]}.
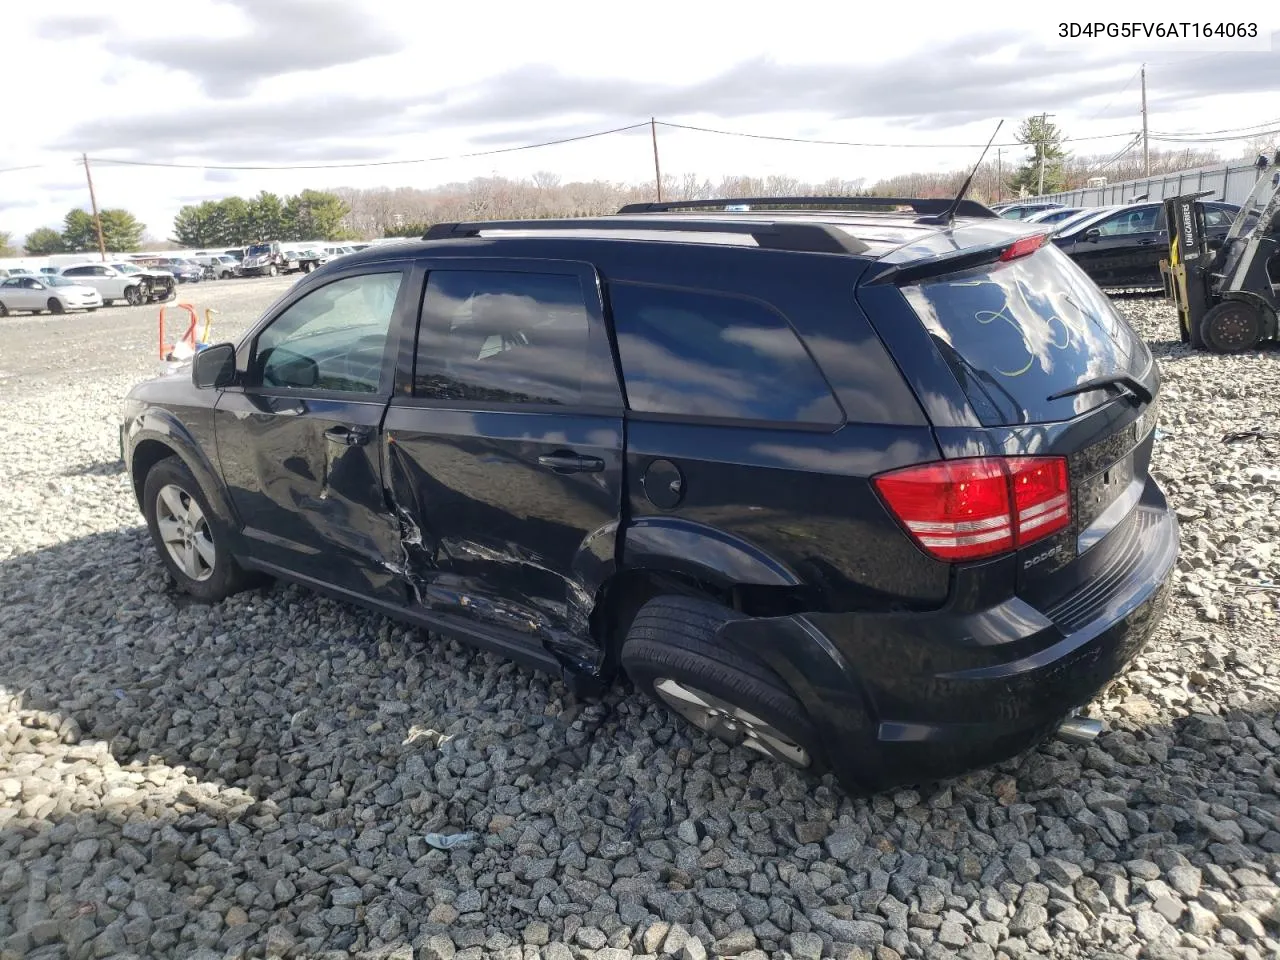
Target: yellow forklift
{"points": [[1227, 293]]}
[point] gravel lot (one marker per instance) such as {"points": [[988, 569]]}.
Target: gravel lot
{"points": [[265, 777]]}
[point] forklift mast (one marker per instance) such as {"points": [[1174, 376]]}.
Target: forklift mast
{"points": [[1186, 272]]}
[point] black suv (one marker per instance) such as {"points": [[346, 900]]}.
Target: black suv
{"points": [[864, 490]]}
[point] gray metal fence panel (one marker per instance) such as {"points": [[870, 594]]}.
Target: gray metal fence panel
{"points": [[1228, 181]]}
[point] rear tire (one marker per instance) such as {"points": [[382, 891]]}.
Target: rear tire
{"points": [[1231, 327], [172, 498], [55, 305], [672, 655]]}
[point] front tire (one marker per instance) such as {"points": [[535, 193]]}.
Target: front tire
{"points": [[4, 311], [133, 296], [672, 654], [185, 531], [55, 305], [272, 271], [1231, 327]]}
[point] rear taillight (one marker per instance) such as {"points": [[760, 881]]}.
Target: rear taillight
{"points": [[1022, 247], [979, 507]]}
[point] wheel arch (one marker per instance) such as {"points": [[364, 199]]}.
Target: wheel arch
{"points": [[667, 555], [155, 437]]}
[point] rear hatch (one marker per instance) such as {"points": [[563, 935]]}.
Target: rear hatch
{"points": [[1024, 335]]}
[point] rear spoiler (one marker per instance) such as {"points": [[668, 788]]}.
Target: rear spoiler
{"points": [[917, 270]]}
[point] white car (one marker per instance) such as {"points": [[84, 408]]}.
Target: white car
{"points": [[38, 294], [111, 283]]}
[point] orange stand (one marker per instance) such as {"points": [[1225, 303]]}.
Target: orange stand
{"points": [[189, 337]]}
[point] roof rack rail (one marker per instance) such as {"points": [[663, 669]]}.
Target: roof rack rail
{"points": [[920, 205], [773, 235]]}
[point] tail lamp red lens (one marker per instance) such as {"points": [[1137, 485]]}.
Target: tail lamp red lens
{"points": [[1020, 248], [981, 506]]}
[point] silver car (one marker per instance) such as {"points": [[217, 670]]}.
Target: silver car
{"points": [[38, 294]]}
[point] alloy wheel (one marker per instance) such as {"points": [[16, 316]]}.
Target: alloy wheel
{"points": [[730, 723], [185, 532]]}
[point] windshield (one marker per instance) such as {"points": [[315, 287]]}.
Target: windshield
{"points": [[258, 249], [1015, 333], [59, 282], [126, 268]]}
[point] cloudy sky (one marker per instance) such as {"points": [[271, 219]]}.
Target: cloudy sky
{"points": [[272, 83]]}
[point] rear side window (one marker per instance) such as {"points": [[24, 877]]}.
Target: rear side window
{"points": [[502, 337], [1016, 333], [708, 355]]}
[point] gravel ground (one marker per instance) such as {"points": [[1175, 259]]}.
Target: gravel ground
{"points": [[267, 777]]}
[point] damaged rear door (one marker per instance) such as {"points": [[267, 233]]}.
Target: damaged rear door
{"points": [[298, 439], [504, 449]]}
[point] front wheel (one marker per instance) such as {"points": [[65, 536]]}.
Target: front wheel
{"points": [[55, 305], [672, 654], [272, 270], [133, 296], [1231, 327], [185, 532], [4, 311]]}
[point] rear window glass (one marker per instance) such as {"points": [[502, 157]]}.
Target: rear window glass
{"points": [[1018, 332], [708, 355]]}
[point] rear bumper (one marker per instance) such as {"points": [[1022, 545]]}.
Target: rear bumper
{"points": [[915, 697]]}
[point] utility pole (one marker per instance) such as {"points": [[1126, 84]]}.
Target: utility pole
{"points": [[1146, 151], [93, 202], [999, 174], [1044, 139], [657, 170]]}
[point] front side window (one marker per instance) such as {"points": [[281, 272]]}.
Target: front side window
{"points": [[709, 355], [502, 337], [334, 338]]}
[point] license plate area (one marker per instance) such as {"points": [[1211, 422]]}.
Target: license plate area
{"points": [[1105, 499]]}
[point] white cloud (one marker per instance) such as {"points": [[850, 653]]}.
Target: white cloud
{"points": [[234, 82]]}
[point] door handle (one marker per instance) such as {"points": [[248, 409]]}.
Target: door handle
{"points": [[349, 436], [1145, 243], [567, 462]]}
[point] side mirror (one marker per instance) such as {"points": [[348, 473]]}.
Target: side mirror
{"points": [[214, 367], [37, 286], [1092, 235]]}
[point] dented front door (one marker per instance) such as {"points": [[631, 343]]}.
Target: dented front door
{"points": [[299, 437]]}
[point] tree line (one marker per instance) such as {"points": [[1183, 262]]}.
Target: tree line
{"points": [[342, 213], [236, 221], [121, 232]]}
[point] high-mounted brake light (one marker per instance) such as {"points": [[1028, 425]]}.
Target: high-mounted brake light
{"points": [[979, 507], [1020, 248]]}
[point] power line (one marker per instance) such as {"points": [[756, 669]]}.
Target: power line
{"points": [[1242, 130], [370, 163], [1247, 136], [1128, 83], [849, 143]]}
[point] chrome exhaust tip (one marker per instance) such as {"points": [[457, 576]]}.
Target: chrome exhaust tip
{"points": [[1078, 729]]}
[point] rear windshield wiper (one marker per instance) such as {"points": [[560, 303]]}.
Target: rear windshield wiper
{"points": [[1127, 381]]}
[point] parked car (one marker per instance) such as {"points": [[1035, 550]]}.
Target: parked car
{"points": [[112, 283], [17, 272], [157, 284], [1123, 246], [224, 267], [862, 492], [183, 270], [1052, 215], [1024, 209], [54, 294]]}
